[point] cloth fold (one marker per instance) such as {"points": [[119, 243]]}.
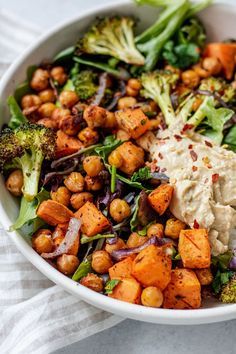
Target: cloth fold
{"points": [[36, 316]]}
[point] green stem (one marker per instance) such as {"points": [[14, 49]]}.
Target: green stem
{"points": [[113, 178]]}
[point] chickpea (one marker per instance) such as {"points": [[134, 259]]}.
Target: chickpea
{"points": [[42, 241], [119, 210], [68, 98], [47, 122], [77, 200], [205, 276], [200, 71], [155, 230], [60, 113], [58, 74], [173, 228], [88, 136], [212, 65], [58, 236], [14, 183], [62, 196], [122, 135], [101, 262], [69, 125], [135, 84], [190, 78], [110, 121], [131, 92], [47, 96], [46, 110], [120, 244], [152, 297], [30, 101], [40, 80], [74, 182], [126, 102], [135, 240], [93, 282], [93, 165], [95, 116], [115, 159], [67, 264], [154, 124], [93, 183]]}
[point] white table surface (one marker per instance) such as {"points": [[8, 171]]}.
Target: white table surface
{"points": [[131, 337]]}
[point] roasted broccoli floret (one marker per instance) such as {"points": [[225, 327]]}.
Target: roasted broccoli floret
{"points": [[25, 148], [228, 293], [157, 86], [112, 36], [219, 86], [85, 84]]}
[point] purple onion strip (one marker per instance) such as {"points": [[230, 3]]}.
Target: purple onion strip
{"points": [[101, 89]]}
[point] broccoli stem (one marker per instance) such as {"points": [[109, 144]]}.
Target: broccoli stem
{"points": [[186, 109], [200, 114], [198, 6]]}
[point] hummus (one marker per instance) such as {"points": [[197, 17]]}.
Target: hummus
{"points": [[204, 177]]}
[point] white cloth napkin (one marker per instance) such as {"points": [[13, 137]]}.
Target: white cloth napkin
{"points": [[35, 315]]}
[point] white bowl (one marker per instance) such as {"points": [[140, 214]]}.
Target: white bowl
{"points": [[219, 20]]}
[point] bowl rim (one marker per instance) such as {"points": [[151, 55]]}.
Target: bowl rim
{"points": [[165, 316]]}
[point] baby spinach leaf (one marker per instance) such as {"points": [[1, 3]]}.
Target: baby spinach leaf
{"points": [[181, 55], [17, 117], [65, 55], [221, 279], [230, 138], [142, 174]]}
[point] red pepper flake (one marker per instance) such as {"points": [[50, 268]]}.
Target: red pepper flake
{"points": [[178, 137], [187, 127], [194, 168], [215, 177], [195, 224], [208, 143], [190, 146], [160, 156], [193, 155]]}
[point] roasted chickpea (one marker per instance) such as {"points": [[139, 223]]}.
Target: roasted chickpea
{"points": [[47, 122], [42, 241], [61, 195], [58, 236], [205, 276], [93, 165], [47, 96], [110, 121], [126, 102], [101, 262], [120, 244], [154, 124], [77, 200], [131, 92], [88, 136], [68, 98], [155, 230], [74, 182], [173, 228], [95, 116], [14, 183], [30, 101], [67, 264], [119, 210], [93, 183], [202, 73], [69, 125], [58, 74], [46, 110], [115, 159], [212, 64], [135, 84], [60, 113], [190, 78], [93, 282], [135, 240], [40, 80], [122, 135], [152, 297]]}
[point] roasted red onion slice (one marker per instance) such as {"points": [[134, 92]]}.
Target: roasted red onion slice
{"points": [[71, 237], [101, 90]]}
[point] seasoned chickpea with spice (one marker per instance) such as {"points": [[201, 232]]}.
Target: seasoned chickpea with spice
{"points": [[42, 241], [92, 165], [155, 230], [60, 113], [47, 95], [116, 246], [135, 84], [40, 80], [93, 282], [61, 195], [135, 240], [110, 121], [88, 136], [101, 261], [126, 102], [212, 65], [74, 182], [205, 276], [119, 210], [46, 110], [47, 122], [190, 78], [77, 200], [67, 264], [68, 98], [115, 159], [69, 125], [93, 183], [131, 92], [14, 183], [173, 228], [95, 116], [29, 101], [152, 297], [58, 74]]}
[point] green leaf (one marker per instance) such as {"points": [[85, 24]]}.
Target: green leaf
{"points": [[221, 279], [24, 88], [192, 32], [17, 117], [83, 269], [134, 222], [110, 143], [85, 239], [222, 260], [143, 174], [69, 86], [65, 55], [230, 138], [110, 285], [143, 232], [182, 55]]}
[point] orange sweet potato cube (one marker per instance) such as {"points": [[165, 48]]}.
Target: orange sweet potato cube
{"points": [[54, 213], [121, 269], [152, 267], [183, 291], [132, 157], [160, 198], [92, 220], [128, 290], [194, 248], [133, 121]]}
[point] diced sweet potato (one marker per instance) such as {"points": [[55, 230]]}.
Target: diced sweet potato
{"points": [[183, 291], [128, 290], [132, 157], [93, 221], [152, 267], [194, 248], [160, 198], [121, 269], [66, 144], [54, 213], [133, 121]]}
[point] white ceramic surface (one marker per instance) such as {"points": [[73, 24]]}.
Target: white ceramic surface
{"points": [[219, 21]]}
